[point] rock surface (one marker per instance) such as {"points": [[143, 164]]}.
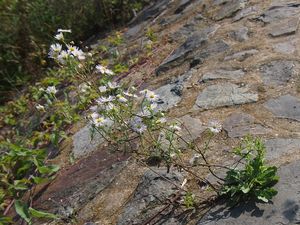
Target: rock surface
{"points": [[277, 72], [225, 94], [240, 34], [83, 144], [242, 124], [279, 147], [284, 209], [171, 94], [241, 56], [152, 190], [227, 74], [286, 106]]}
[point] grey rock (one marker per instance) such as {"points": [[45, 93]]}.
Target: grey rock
{"points": [[276, 148], [277, 72], [245, 13], [182, 53], [150, 12], [241, 56], [192, 128], [280, 12], [170, 94], [222, 74], [227, 8], [134, 31], [240, 34], [152, 190], [182, 6], [210, 49], [83, 144], [286, 106], [225, 94], [285, 27], [284, 47], [242, 124], [284, 208]]}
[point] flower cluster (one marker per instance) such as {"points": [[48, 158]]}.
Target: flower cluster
{"points": [[62, 55]]}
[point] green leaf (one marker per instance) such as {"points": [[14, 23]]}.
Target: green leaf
{"points": [[5, 220], [264, 199], [48, 169], [40, 214], [22, 211]]}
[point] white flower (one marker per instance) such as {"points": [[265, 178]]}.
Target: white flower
{"points": [[150, 95], [102, 89], [161, 120], [113, 85], [129, 94], [138, 125], [63, 56], [84, 87], [64, 31], [110, 106], [51, 90], [215, 127], [56, 47], [102, 100], [75, 51], [59, 36], [79, 54], [174, 128], [98, 121], [94, 108], [153, 106], [54, 50], [104, 70], [40, 107], [121, 98]]}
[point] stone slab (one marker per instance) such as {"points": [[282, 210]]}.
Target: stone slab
{"points": [[285, 27], [278, 147], [242, 124], [225, 74], [147, 199], [226, 94], [287, 107], [277, 72]]}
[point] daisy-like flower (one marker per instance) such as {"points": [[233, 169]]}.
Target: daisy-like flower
{"points": [[84, 87], [63, 56], [64, 31], [103, 100], [79, 54], [51, 90], [113, 85], [59, 36], [104, 70], [161, 120], [175, 128], [121, 98], [110, 106], [94, 108], [54, 50], [153, 106], [98, 121], [129, 94], [149, 95], [215, 127], [40, 108], [102, 89], [137, 125]]}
